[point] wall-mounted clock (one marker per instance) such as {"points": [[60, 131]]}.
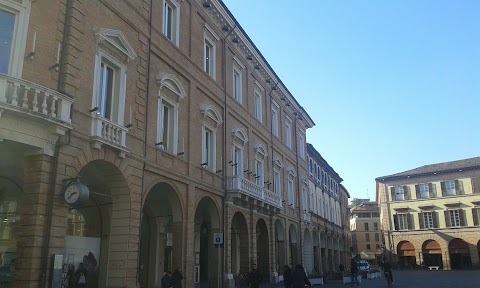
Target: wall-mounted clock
{"points": [[76, 193]]}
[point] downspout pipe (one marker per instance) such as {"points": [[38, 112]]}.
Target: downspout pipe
{"points": [[224, 165], [145, 135], [51, 197]]}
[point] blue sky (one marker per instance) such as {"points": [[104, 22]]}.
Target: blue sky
{"points": [[391, 85]]}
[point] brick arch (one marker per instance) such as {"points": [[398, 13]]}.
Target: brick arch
{"points": [[405, 248], [174, 196], [263, 247], [239, 238]]}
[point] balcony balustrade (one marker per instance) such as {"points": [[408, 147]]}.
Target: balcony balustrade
{"points": [[25, 98], [253, 191], [105, 131]]}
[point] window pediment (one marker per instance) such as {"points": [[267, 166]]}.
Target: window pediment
{"points": [[239, 136], [260, 151], [210, 116], [173, 87], [116, 40]]}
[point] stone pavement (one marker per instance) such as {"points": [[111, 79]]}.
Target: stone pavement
{"points": [[421, 279]]}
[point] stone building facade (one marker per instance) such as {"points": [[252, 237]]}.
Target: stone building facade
{"points": [[367, 237], [430, 215], [325, 213], [135, 135]]}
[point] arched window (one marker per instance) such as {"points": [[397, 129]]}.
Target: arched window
{"points": [[211, 120], [239, 141]]}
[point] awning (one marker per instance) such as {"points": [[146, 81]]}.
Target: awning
{"points": [[367, 256]]}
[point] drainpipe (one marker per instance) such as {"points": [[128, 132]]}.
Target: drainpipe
{"points": [[224, 165], [145, 135], [298, 183], [51, 197]]}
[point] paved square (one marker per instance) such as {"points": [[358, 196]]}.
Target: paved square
{"points": [[421, 279]]}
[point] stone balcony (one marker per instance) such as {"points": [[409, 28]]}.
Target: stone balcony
{"points": [[33, 114], [105, 131], [243, 191]]}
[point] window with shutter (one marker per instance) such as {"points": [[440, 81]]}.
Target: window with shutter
{"points": [[402, 221], [392, 193], [395, 221], [475, 214], [420, 220], [411, 224], [406, 193], [463, 220], [447, 218], [450, 188], [459, 187], [444, 191], [476, 185], [435, 219], [455, 218], [432, 189]]}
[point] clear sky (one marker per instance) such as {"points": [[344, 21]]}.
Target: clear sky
{"points": [[391, 85]]}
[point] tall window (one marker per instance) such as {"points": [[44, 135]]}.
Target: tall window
{"points": [[399, 193], [211, 121], [368, 246], [313, 203], [209, 56], [310, 166], [377, 237], [288, 133], [237, 83], [327, 213], [167, 124], [402, 221], [366, 226], [428, 220], [455, 218], [367, 237], [291, 198], [450, 188], [375, 226], [259, 172], [424, 191], [13, 34], [237, 161], [301, 143], [108, 87], [276, 183], [275, 121], [171, 17], [258, 105]]}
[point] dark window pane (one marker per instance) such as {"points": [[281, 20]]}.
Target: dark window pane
{"points": [[7, 23]]}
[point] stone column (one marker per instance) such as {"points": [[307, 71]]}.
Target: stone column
{"points": [[229, 281], [33, 216]]}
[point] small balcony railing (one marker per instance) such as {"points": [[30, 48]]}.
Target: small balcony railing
{"points": [[251, 189], [105, 131], [30, 99], [307, 216]]}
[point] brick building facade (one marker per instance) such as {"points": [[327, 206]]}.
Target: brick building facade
{"points": [[429, 215], [167, 124]]}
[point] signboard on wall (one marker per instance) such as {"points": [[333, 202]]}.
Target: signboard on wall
{"points": [[218, 238]]}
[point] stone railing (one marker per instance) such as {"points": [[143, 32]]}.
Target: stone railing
{"points": [[307, 216], [29, 98], [247, 187], [108, 132]]}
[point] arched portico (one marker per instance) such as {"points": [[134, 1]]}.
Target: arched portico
{"points": [[431, 254], [263, 251], [161, 235], [106, 213], [293, 244], [239, 245], [280, 247], [308, 252], [406, 254], [207, 260], [459, 254]]}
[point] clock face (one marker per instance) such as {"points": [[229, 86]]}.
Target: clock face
{"points": [[72, 193]]}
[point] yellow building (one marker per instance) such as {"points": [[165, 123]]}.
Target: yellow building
{"points": [[366, 234], [430, 214]]}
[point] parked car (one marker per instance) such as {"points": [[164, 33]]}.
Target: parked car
{"points": [[363, 267]]}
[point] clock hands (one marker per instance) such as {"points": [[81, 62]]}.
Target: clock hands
{"points": [[72, 195]]}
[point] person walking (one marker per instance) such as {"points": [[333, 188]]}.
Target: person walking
{"points": [[287, 276], [177, 278], [166, 280], [388, 268], [354, 271], [300, 279], [254, 277]]}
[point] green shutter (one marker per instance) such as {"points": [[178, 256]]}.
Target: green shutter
{"points": [[406, 193], [417, 191], [421, 220], [447, 218], [395, 221], [476, 184], [462, 217], [432, 190], [392, 193], [411, 224], [475, 216], [435, 219], [444, 191], [459, 187]]}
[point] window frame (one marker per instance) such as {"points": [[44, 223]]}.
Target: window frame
{"points": [[290, 192], [19, 35], [399, 190], [212, 116], [175, 22], [208, 40], [172, 146], [404, 221], [421, 188], [237, 83], [450, 189], [288, 132], [257, 96], [275, 119], [454, 215], [237, 165], [428, 222]]}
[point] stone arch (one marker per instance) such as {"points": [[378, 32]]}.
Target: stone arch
{"points": [[207, 222], [239, 244], [280, 245], [308, 251], [406, 254], [431, 254], [211, 116], [293, 245], [459, 254], [161, 234], [109, 211], [263, 251]]}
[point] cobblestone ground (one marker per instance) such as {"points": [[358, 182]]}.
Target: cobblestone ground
{"points": [[421, 279]]}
